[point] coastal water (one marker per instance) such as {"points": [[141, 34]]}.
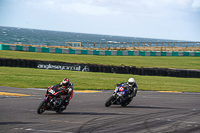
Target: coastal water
{"points": [[13, 35]]}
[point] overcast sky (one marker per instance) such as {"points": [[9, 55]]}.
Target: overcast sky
{"points": [[161, 19]]}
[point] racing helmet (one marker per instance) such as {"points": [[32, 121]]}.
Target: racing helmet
{"points": [[65, 82], [131, 81]]}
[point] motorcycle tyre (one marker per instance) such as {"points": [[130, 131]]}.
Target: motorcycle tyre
{"points": [[109, 101], [41, 107], [127, 103], [124, 104], [59, 110]]}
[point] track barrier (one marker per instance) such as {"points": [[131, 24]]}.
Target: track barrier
{"points": [[98, 52], [99, 68]]}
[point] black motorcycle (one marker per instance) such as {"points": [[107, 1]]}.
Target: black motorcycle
{"points": [[119, 98], [51, 102]]}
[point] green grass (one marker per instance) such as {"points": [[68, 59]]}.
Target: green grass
{"points": [[42, 78], [138, 61]]}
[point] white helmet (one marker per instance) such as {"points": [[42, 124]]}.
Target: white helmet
{"points": [[131, 81]]}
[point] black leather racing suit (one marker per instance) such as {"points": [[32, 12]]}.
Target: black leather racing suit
{"points": [[67, 93]]}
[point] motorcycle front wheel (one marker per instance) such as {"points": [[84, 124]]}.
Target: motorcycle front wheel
{"points": [[109, 101], [41, 107]]}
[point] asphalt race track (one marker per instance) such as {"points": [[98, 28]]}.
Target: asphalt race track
{"points": [[149, 112]]}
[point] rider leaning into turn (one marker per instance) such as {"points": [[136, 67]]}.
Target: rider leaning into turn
{"points": [[131, 86], [66, 89]]}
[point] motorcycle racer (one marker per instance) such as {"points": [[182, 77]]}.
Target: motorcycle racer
{"points": [[130, 86], [64, 90]]}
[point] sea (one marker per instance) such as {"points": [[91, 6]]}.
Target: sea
{"points": [[16, 35]]}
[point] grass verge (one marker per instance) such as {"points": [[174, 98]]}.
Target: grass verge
{"points": [[138, 61], [42, 78]]}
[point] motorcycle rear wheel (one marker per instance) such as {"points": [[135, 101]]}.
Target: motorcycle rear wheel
{"points": [[127, 102], [41, 108], [109, 101], [59, 110], [124, 105]]}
